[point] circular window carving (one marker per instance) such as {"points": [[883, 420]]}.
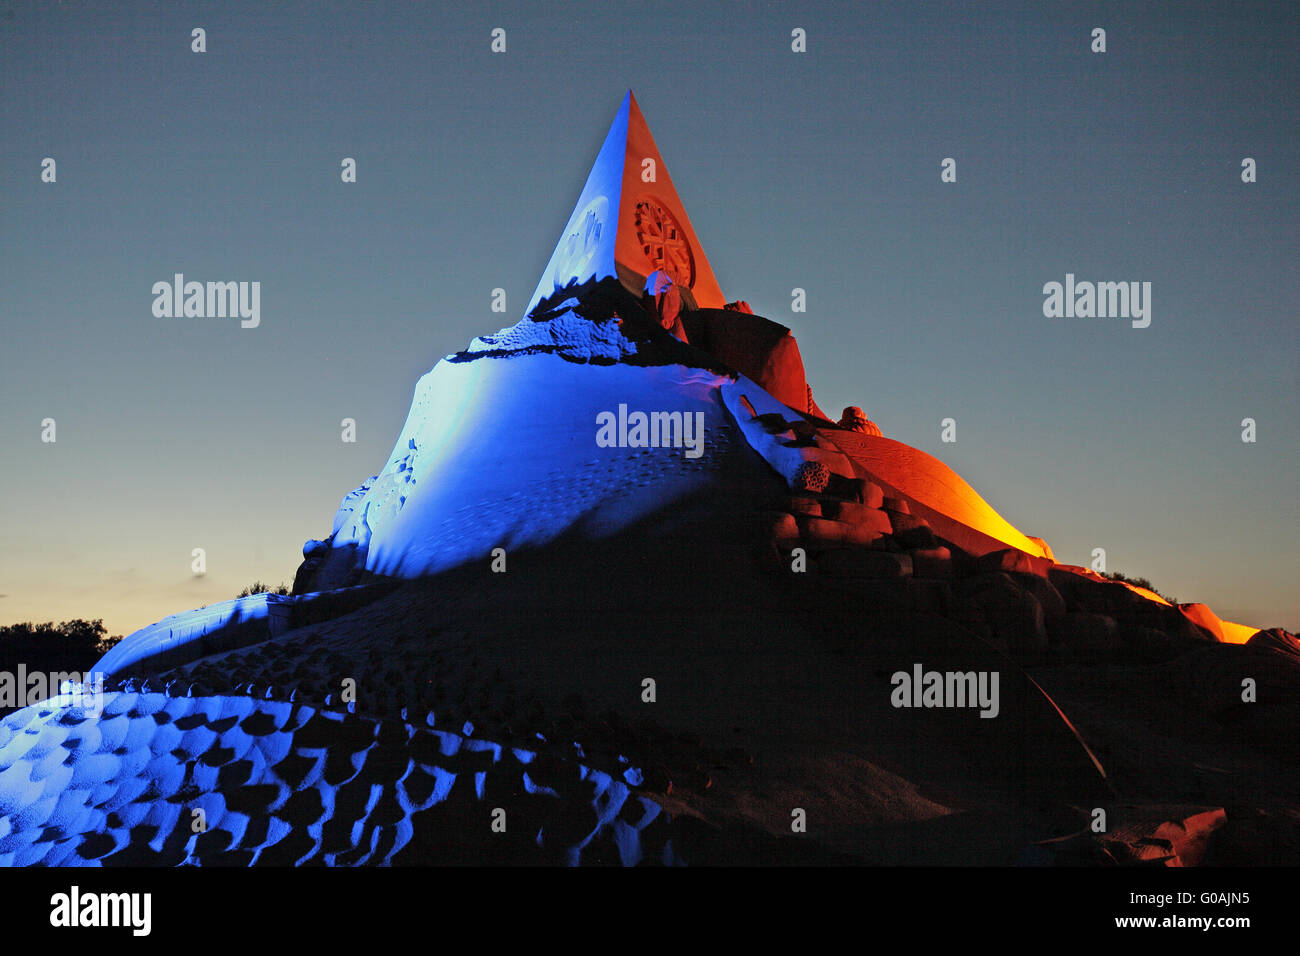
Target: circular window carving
{"points": [[664, 242]]}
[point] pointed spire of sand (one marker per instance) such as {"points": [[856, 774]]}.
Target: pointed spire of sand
{"points": [[629, 222]]}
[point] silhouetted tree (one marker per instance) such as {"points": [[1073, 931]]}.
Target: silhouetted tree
{"points": [[68, 646]]}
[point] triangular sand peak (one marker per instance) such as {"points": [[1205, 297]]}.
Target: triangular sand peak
{"points": [[629, 221]]}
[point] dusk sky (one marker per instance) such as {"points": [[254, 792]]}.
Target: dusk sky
{"points": [[817, 170]]}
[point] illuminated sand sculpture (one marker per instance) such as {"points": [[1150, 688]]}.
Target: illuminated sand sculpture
{"points": [[465, 667]]}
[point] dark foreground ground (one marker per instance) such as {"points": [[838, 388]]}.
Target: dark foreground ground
{"points": [[772, 706]]}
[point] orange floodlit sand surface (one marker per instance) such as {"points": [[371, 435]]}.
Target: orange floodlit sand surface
{"points": [[952, 505], [1237, 633], [655, 232], [927, 481], [1226, 631]]}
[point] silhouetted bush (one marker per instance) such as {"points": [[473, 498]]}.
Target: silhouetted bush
{"points": [[1138, 582], [258, 587]]}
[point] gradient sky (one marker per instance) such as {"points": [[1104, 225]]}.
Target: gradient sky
{"points": [[817, 170]]}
